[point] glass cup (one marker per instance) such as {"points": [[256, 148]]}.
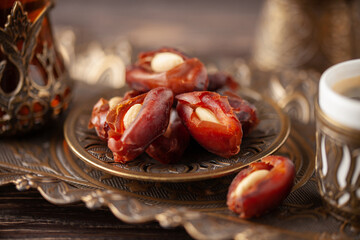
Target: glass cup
{"points": [[34, 83], [338, 139]]}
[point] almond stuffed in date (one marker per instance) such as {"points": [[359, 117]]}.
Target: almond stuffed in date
{"points": [[98, 116], [139, 121], [261, 186], [169, 68], [211, 122], [135, 123]]}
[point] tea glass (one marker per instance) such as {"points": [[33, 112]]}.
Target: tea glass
{"points": [[34, 84]]}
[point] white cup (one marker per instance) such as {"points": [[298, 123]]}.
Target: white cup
{"points": [[340, 108]]}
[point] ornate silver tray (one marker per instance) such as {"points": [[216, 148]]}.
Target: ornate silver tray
{"points": [[45, 161], [197, 163]]}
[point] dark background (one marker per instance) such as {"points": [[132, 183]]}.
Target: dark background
{"points": [[206, 27]]}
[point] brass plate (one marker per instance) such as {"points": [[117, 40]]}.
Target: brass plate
{"points": [[45, 162], [197, 164], [206, 195]]}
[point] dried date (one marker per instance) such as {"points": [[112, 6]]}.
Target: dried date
{"points": [[137, 122], [244, 111], [220, 80], [98, 116], [261, 186], [169, 147], [169, 68], [211, 122]]}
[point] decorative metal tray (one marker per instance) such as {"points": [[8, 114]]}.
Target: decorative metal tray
{"points": [[197, 164], [45, 161]]}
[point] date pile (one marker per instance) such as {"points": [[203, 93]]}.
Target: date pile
{"points": [[173, 99]]}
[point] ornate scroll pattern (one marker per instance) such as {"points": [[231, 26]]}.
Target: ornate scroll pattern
{"points": [[338, 166], [32, 85], [209, 193], [46, 163], [200, 225]]}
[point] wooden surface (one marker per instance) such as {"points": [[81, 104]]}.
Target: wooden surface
{"points": [[214, 28], [28, 215]]}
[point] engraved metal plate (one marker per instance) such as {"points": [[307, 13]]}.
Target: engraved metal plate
{"points": [[196, 164], [44, 161]]}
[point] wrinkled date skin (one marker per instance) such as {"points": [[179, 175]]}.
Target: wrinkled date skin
{"points": [[244, 111], [267, 192], [191, 75], [169, 147], [151, 122], [223, 138], [99, 114], [131, 94], [219, 80], [98, 118]]}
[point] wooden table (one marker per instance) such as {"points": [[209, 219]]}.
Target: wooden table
{"points": [[28, 215]]}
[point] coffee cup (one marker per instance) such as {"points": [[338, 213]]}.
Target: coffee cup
{"points": [[338, 139]]}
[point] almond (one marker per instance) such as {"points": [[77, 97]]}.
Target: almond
{"points": [[114, 101], [206, 115], [131, 115], [250, 181], [165, 61]]}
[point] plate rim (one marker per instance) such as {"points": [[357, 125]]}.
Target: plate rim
{"points": [[82, 154]]}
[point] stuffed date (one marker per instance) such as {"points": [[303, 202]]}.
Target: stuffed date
{"points": [[98, 116], [137, 122], [169, 68], [210, 120], [261, 186], [244, 111], [169, 147], [220, 80]]}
